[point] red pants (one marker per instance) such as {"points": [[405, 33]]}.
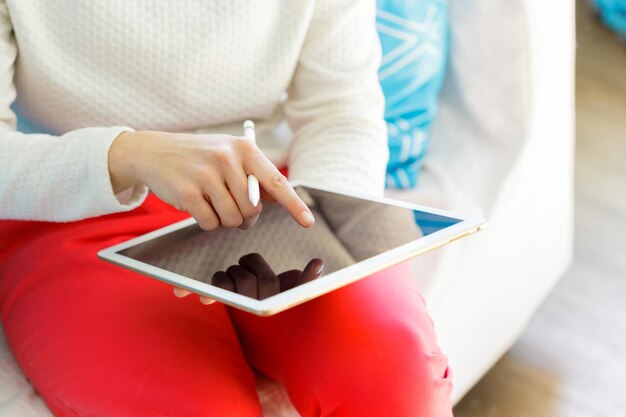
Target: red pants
{"points": [[98, 340]]}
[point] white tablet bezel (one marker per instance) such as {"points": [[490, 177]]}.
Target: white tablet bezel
{"points": [[324, 284]]}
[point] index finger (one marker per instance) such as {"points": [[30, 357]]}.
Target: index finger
{"points": [[277, 185]]}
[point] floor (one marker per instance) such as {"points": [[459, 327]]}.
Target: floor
{"points": [[571, 361]]}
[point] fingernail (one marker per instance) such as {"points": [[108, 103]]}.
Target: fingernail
{"points": [[206, 301], [319, 270], [307, 218]]}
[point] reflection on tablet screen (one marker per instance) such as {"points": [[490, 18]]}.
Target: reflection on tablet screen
{"points": [[277, 254]]}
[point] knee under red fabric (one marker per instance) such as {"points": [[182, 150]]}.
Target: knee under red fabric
{"points": [[97, 340], [367, 349]]}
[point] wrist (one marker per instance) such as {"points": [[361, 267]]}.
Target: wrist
{"points": [[122, 156]]}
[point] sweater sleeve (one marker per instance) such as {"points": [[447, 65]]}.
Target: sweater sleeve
{"points": [[53, 178], [335, 106]]}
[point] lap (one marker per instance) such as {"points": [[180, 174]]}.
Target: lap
{"points": [[95, 339]]}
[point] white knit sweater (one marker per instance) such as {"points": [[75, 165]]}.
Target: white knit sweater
{"points": [[87, 70]]}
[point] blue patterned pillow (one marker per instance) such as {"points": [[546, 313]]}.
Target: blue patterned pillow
{"points": [[414, 38], [613, 14]]}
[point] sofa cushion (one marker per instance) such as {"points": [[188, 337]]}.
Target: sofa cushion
{"points": [[413, 36], [613, 14]]}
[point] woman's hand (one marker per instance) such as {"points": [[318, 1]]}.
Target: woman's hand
{"points": [[204, 175]]}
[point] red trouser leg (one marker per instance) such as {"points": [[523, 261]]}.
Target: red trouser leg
{"points": [[97, 340], [368, 349]]}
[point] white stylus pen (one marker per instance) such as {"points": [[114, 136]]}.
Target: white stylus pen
{"points": [[254, 194]]}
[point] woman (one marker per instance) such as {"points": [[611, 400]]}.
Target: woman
{"points": [[95, 340]]}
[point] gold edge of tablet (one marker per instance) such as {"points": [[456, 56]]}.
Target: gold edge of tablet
{"points": [[379, 268]]}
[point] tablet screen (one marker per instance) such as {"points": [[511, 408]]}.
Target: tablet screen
{"points": [[277, 254]]}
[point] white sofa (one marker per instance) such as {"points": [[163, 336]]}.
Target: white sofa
{"points": [[502, 147]]}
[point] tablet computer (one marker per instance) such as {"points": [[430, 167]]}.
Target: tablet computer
{"points": [[278, 264]]}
